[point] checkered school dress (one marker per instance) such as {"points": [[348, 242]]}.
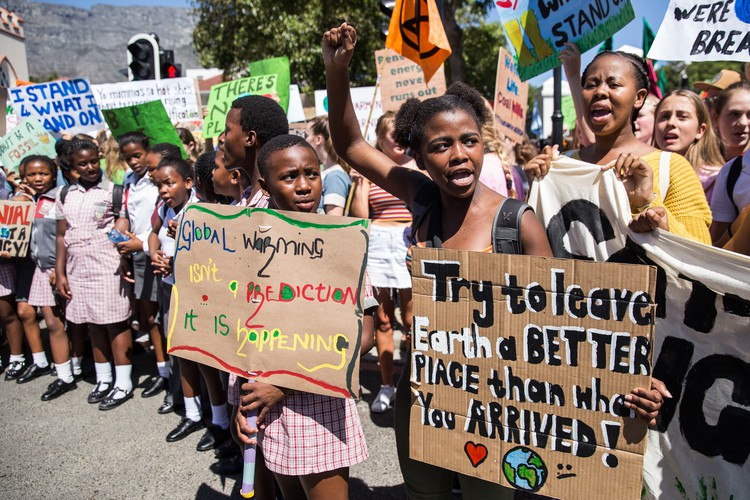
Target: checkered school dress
{"points": [[41, 293], [309, 434], [7, 278], [99, 295]]}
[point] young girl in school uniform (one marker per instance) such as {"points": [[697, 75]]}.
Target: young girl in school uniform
{"points": [[89, 274]]}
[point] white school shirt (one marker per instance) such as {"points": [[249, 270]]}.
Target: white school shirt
{"points": [[141, 201], [167, 214], [722, 207]]}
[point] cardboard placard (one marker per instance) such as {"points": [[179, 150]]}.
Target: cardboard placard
{"points": [[28, 138], [402, 78], [15, 226], [519, 369], [511, 96], [62, 106], [537, 31], [278, 67], [149, 118], [703, 31], [277, 295], [223, 94], [362, 101], [178, 95]]}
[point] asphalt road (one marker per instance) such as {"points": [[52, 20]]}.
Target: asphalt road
{"points": [[67, 448]]}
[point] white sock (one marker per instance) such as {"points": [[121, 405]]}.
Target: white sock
{"points": [[17, 358], [64, 372], [219, 416], [76, 363], [40, 359], [163, 368], [123, 377], [103, 373], [193, 408]]}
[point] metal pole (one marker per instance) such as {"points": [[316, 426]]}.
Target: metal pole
{"points": [[557, 117]]}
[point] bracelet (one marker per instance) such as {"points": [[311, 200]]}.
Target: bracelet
{"points": [[644, 207]]}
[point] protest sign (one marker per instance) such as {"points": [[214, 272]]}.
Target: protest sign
{"points": [[402, 78], [149, 118], [276, 296], [62, 106], [28, 138], [701, 332], [178, 95], [537, 31], [511, 96], [278, 67], [222, 94], [519, 369], [362, 101], [703, 31], [4, 108], [15, 226]]}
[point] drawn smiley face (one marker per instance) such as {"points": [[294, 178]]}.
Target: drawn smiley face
{"points": [[564, 471]]}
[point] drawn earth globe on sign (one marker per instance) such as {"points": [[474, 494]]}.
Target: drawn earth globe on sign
{"points": [[524, 469]]}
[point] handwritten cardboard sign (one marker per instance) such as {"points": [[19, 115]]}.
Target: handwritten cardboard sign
{"points": [[28, 138], [278, 67], [178, 95], [223, 94], [15, 226], [149, 118], [62, 106], [511, 95], [519, 366], [362, 102], [703, 31], [402, 78], [537, 31], [277, 295]]}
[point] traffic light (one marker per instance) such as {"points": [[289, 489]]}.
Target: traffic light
{"points": [[386, 7], [167, 66], [143, 57]]}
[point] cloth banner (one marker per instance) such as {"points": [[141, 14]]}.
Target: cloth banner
{"points": [[703, 31], [178, 95], [699, 448], [62, 106], [537, 31]]}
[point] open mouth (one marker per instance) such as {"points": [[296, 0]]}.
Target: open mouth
{"points": [[462, 178], [600, 114]]}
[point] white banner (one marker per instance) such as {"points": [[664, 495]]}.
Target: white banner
{"points": [[700, 446], [178, 95], [362, 100], [694, 30]]}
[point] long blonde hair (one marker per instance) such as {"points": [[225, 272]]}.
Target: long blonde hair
{"points": [[706, 150], [319, 126], [113, 162], [493, 144]]}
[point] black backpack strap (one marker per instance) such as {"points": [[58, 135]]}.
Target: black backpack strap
{"points": [[64, 193], [734, 174], [118, 191], [424, 200], [506, 237]]}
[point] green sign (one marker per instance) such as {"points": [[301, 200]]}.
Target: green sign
{"points": [[278, 66], [568, 111], [149, 118], [28, 138]]}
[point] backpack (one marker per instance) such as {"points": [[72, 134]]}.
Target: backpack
{"points": [[734, 174], [117, 196], [506, 227]]}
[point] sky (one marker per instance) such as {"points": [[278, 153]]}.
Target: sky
{"points": [[652, 10]]}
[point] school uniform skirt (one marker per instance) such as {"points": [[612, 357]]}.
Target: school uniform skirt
{"points": [[309, 434], [42, 293], [386, 257], [99, 295], [146, 284]]}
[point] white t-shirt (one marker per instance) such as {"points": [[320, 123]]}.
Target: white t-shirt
{"points": [[721, 206]]}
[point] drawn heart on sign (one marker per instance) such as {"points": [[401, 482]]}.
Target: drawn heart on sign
{"points": [[477, 453]]}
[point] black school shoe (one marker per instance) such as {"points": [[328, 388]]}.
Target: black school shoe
{"points": [[57, 389], [167, 406], [15, 369], [212, 438], [229, 466], [32, 372], [112, 401], [100, 392], [155, 387], [184, 429]]}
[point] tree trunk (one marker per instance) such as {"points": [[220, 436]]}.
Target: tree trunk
{"points": [[456, 67]]}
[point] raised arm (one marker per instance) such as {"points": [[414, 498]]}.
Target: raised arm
{"points": [[338, 47]]}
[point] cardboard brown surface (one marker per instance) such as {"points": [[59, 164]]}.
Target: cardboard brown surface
{"points": [[511, 96], [505, 393], [15, 226], [402, 78], [276, 295]]}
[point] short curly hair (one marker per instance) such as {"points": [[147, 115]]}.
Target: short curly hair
{"points": [[279, 143], [262, 115], [414, 115]]}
